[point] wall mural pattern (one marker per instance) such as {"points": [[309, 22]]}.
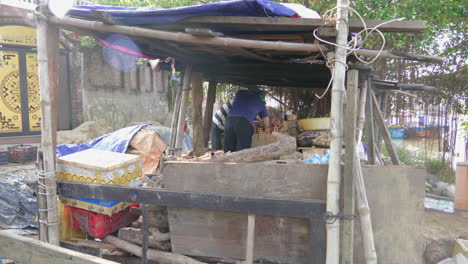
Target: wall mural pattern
{"points": [[10, 103]]}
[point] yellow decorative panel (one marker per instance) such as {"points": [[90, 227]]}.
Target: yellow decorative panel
{"points": [[34, 98], [10, 93], [19, 36]]}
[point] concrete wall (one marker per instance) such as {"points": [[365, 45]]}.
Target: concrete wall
{"points": [[122, 97]]}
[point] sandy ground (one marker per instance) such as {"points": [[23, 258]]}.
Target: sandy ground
{"points": [[439, 225]]}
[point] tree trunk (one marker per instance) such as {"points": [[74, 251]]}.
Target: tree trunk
{"points": [[197, 119], [210, 100]]}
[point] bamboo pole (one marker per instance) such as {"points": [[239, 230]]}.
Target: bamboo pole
{"points": [[197, 118], [183, 110], [47, 57], [386, 136], [370, 255], [349, 167], [230, 42], [188, 38], [336, 129], [41, 200], [207, 119]]}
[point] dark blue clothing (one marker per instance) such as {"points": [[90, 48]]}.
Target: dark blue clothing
{"points": [[248, 104], [238, 134]]}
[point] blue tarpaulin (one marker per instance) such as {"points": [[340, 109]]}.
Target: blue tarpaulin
{"points": [[116, 141], [139, 16]]}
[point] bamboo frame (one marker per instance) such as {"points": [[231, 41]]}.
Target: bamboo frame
{"points": [[231, 42]]}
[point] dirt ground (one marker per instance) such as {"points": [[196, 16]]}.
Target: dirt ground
{"points": [[439, 225]]}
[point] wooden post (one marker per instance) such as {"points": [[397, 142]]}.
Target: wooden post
{"points": [[350, 144], [370, 126], [376, 129], [210, 100], [249, 249], [175, 118], [383, 110], [362, 108], [197, 118], [183, 110], [336, 129], [386, 136], [47, 57]]}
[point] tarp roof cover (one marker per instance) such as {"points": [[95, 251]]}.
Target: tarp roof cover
{"points": [[141, 16]]}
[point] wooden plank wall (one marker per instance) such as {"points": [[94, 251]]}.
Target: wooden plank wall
{"points": [[395, 195]]}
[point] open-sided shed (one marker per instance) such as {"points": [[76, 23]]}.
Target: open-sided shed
{"points": [[259, 48]]}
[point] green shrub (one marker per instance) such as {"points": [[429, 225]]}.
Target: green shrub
{"points": [[433, 166], [442, 170]]}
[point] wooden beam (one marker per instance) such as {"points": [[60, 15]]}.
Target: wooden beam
{"points": [[308, 209], [386, 136], [387, 85], [197, 116], [349, 166], [398, 55], [32, 251], [306, 23], [210, 100], [47, 58], [93, 251]]}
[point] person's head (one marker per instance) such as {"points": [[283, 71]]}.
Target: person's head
{"points": [[261, 94]]}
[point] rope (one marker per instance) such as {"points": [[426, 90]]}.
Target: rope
{"points": [[49, 191], [353, 45]]}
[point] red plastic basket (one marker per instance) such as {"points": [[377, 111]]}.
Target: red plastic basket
{"points": [[22, 153], [100, 225], [4, 157]]}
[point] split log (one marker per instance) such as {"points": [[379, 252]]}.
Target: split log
{"points": [[156, 239], [156, 255], [284, 145]]}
